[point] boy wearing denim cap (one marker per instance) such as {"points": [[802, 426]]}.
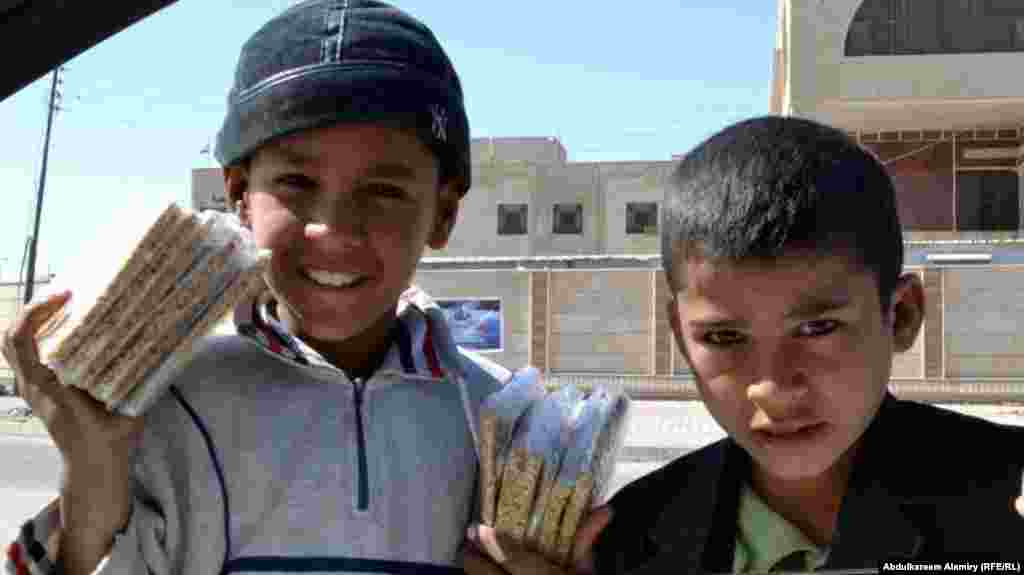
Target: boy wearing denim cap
{"points": [[782, 245], [334, 429]]}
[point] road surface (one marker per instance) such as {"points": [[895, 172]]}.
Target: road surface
{"points": [[658, 432]]}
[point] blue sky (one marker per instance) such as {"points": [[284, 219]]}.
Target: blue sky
{"points": [[612, 81]]}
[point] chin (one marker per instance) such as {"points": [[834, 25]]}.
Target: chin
{"points": [[797, 468], [335, 331], [797, 464]]}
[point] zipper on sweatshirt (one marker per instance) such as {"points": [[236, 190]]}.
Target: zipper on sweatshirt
{"points": [[363, 487]]}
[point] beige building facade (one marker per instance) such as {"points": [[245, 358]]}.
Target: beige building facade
{"points": [[931, 87], [570, 249]]}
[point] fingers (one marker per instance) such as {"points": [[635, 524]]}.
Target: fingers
{"points": [[517, 560], [586, 536], [475, 562], [513, 558], [22, 353], [486, 538], [19, 342], [1019, 505]]}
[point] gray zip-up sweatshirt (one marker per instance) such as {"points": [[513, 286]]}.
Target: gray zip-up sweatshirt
{"points": [[265, 458]]}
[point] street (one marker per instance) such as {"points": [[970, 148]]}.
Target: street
{"points": [[658, 432], [30, 478]]}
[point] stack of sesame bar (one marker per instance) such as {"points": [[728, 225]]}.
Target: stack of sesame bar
{"points": [[546, 458], [185, 275]]}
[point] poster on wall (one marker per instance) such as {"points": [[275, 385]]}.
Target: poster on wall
{"points": [[475, 323]]}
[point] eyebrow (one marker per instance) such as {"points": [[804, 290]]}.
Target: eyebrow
{"points": [[816, 305], [713, 324], [292, 156], [809, 306], [382, 170], [389, 171]]}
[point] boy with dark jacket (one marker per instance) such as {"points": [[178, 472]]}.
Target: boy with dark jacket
{"points": [[782, 245]]}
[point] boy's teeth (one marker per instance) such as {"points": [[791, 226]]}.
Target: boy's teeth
{"points": [[333, 279]]}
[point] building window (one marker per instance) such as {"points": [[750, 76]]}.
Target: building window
{"points": [[987, 201], [893, 27], [642, 218], [512, 219], [568, 219]]}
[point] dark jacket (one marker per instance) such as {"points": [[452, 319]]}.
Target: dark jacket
{"points": [[927, 483]]}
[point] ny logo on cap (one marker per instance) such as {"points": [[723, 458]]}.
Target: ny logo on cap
{"points": [[440, 124]]}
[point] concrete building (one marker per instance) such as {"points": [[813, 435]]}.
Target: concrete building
{"points": [[570, 249], [931, 87], [528, 200]]}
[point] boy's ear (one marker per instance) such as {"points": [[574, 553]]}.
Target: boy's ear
{"points": [[906, 311], [672, 309], [445, 216], [236, 184]]}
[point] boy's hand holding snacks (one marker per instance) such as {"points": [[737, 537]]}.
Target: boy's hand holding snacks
{"points": [[95, 445], [545, 458], [490, 553], [88, 372]]}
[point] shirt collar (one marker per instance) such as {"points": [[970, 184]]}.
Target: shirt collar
{"points": [[413, 352], [765, 537]]}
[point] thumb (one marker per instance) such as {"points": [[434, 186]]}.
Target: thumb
{"points": [[586, 536]]}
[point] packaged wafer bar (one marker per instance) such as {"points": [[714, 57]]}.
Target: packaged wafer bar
{"points": [[575, 482], [498, 416], [521, 473], [609, 441], [588, 462], [557, 493], [550, 436], [121, 340]]}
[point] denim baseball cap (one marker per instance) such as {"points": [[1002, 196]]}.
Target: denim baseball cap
{"points": [[323, 62]]}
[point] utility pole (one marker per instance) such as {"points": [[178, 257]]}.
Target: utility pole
{"points": [[30, 278]]}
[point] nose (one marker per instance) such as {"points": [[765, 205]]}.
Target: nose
{"points": [[780, 383], [341, 218]]}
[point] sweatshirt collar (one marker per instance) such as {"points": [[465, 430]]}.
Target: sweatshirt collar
{"points": [[413, 352]]}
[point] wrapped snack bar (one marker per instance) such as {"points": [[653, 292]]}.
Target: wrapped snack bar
{"points": [[553, 437], [520, 473], [121, 341], [498, 417], [588, 462], [608, 443], [541, 440]]}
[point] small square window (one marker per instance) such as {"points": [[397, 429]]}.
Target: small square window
{"points": [[568, 219], [512, 219], [642, 218]]}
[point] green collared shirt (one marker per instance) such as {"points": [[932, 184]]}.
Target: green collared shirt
{"points": [[765, 537]]}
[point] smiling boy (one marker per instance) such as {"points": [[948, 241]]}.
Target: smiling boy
{"points": [[333, 429], [783, 249]]}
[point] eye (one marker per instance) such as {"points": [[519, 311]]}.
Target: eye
{"points": [[723, 338], [294, 182], [818, 327], [385, 191]]}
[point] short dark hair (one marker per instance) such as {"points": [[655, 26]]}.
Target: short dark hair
{"points": [[769, 185]]}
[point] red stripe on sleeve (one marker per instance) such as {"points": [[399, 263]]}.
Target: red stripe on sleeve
{"points": [[428, 350]]}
